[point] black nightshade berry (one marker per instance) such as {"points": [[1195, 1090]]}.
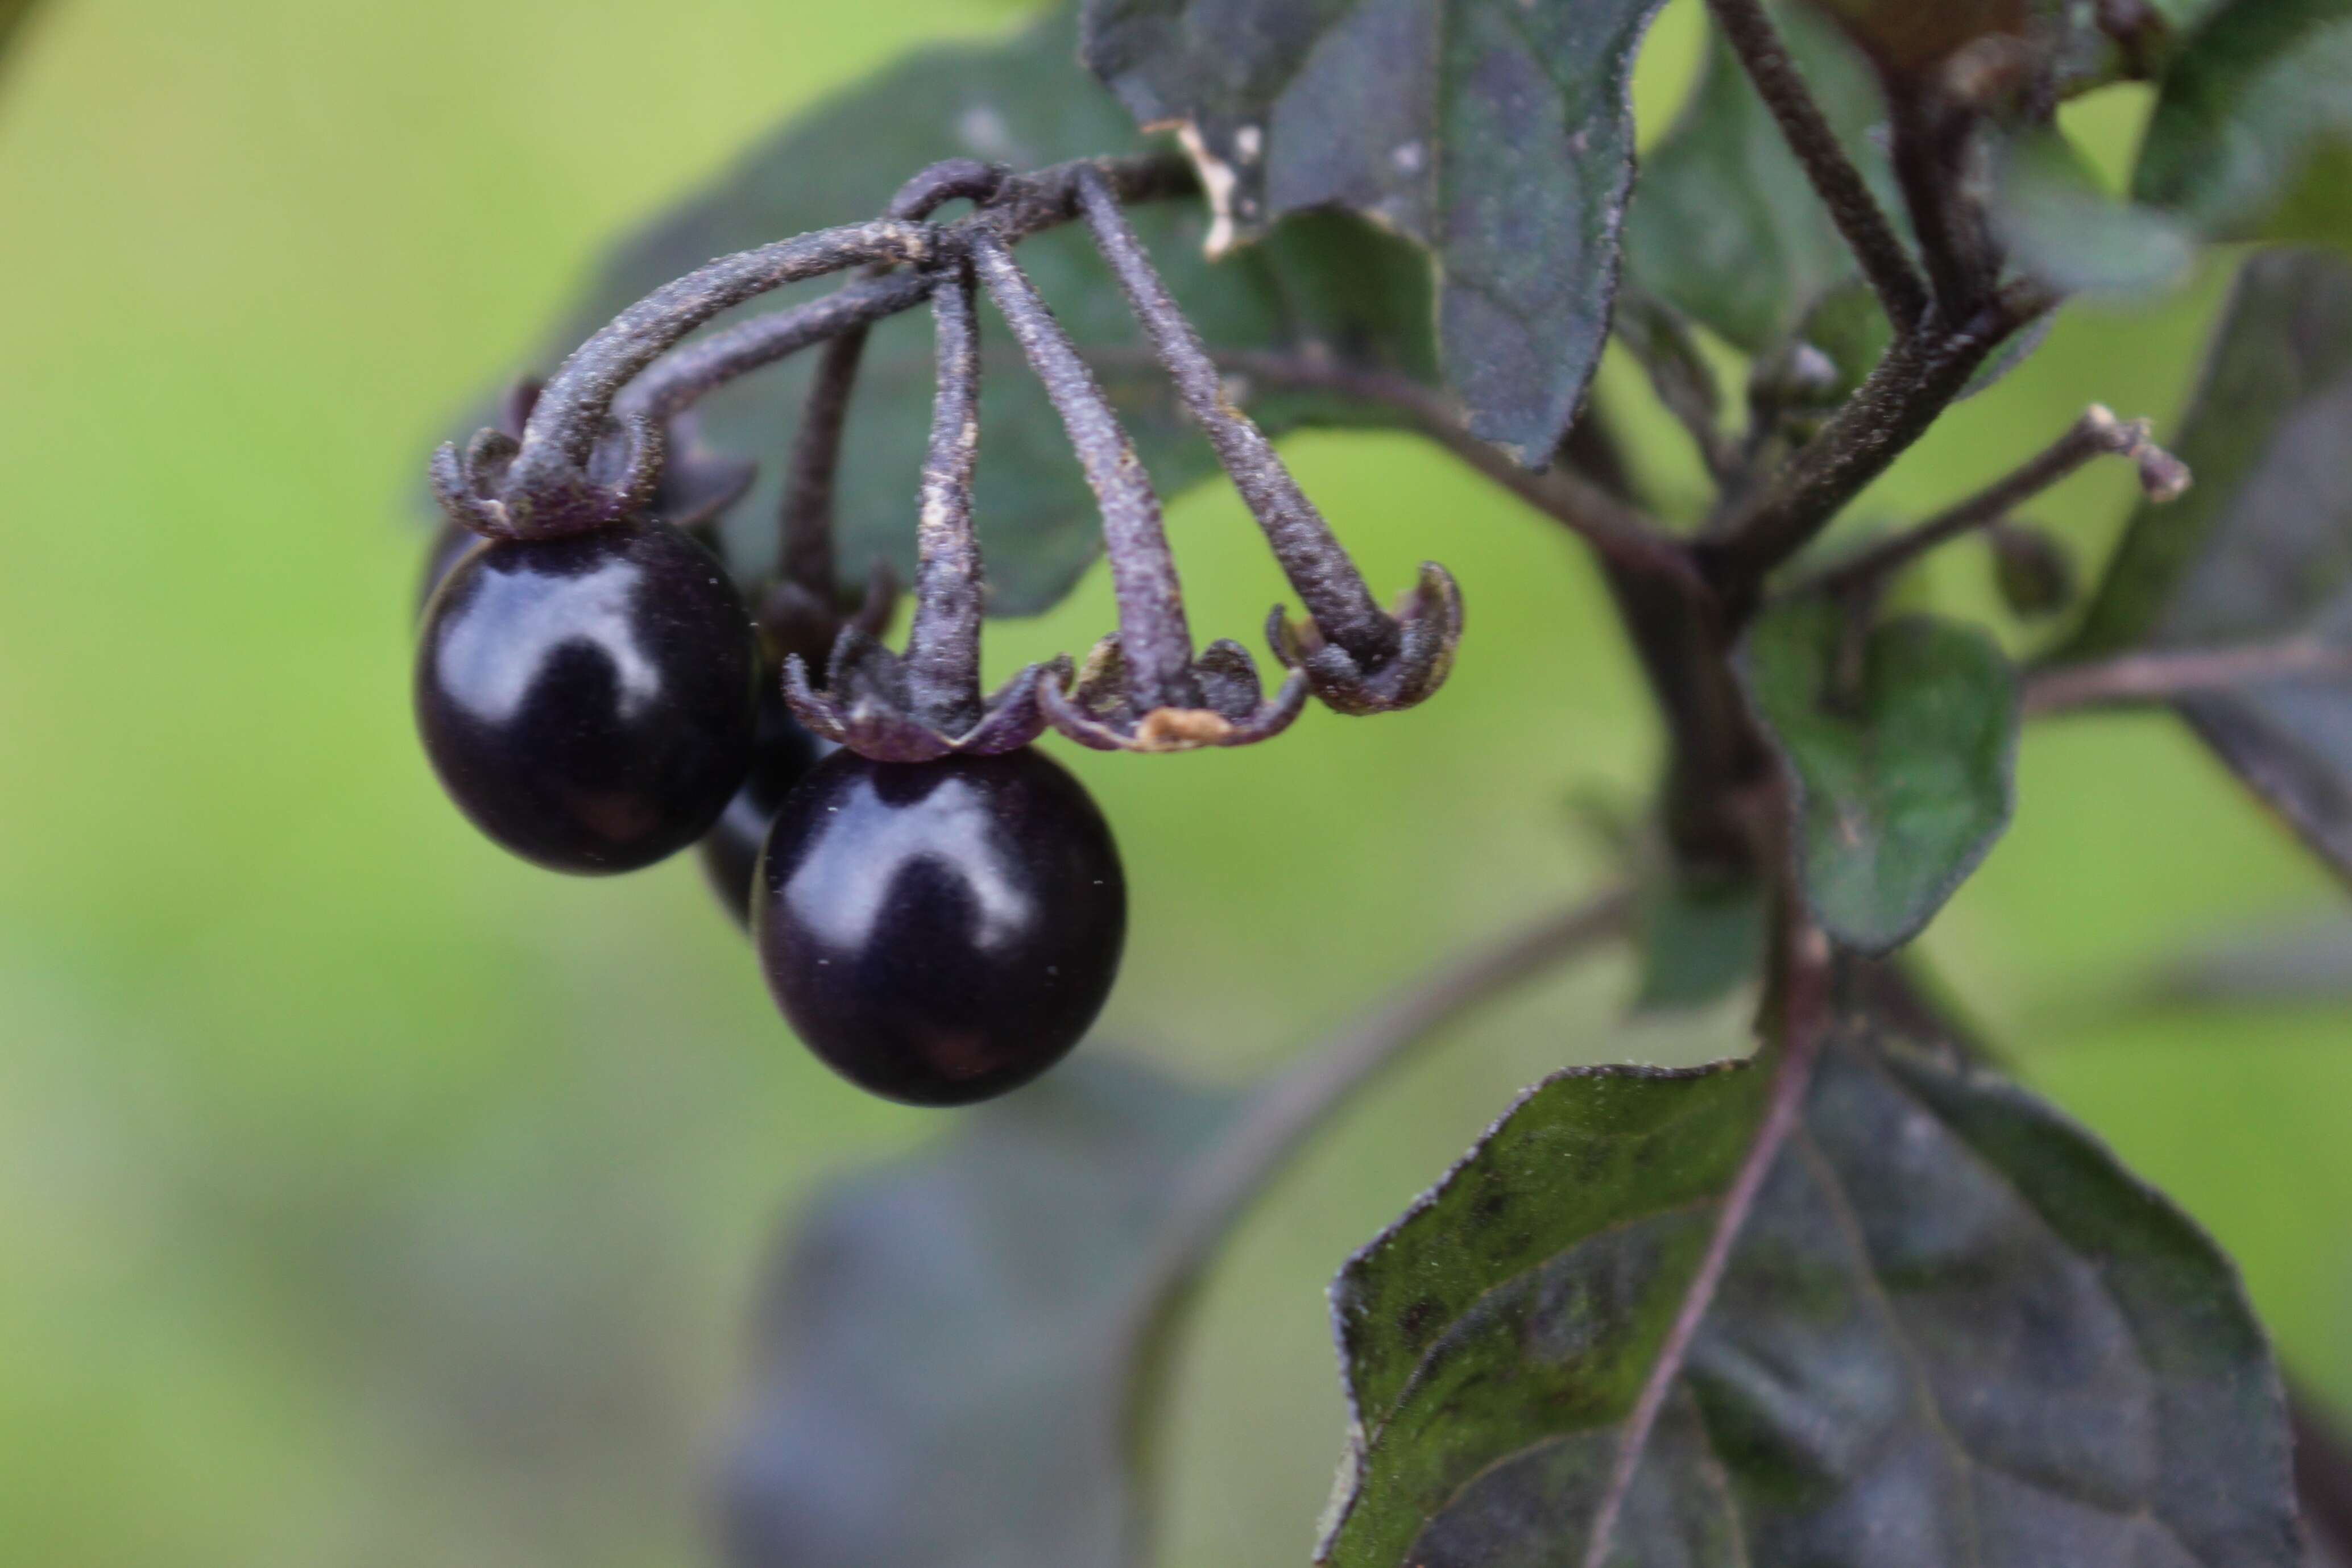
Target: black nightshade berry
{"points": [[588, 701], [941, 932], [782, 755], [449, 546]]}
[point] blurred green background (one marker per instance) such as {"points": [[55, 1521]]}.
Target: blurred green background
{"points": [[368, 1197]]}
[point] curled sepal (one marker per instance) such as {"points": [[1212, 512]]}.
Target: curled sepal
{"points": [[1429, 627], [1099, 708], [619, 482], [867, 706]]}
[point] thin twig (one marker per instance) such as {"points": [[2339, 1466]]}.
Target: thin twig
{"points": [[2164, 676], [1840, 185], [1319, 569], [2098, 433], [1909, 390], [1154, 636], [1278, 1123], [1804, 1024]]}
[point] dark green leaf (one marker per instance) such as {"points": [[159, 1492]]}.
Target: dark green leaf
{"points": [[2251, 137], [1724, 225], [1954, 1330], [1498, 134], [1903, 757], [2065, 229], [2261, 549], [1326, 283], [951, 1340]]}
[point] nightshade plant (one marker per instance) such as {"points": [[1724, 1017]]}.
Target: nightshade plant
{"points": [[1854, 1299]]}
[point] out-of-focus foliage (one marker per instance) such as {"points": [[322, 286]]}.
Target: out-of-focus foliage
{"points": [[2259, 553], [366, 1199]]}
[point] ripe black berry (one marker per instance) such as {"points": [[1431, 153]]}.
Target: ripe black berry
{"points": [[588, 701], [782, 755], [941, 932], [449, 546]]}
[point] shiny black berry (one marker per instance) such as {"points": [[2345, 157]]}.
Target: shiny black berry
{"points": [[588, 701], [941, 932], [782, 755], [449, 546]]}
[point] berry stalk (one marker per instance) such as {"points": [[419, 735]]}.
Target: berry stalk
{"points": [[1154, 638], [943, 639], [1319, 569]]}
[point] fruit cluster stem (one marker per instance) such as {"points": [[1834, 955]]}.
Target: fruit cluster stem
{"points": [[1319, 568], [1154, 637], [943, 641], [805, 553]]}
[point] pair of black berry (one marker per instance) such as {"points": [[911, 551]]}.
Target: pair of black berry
{"points": [[937, 932]]}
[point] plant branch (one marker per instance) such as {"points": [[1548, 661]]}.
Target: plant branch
{"points": [[2098, 433], [1804, 1004], [2158, 677], [1919, 377], [1840, 185]]}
